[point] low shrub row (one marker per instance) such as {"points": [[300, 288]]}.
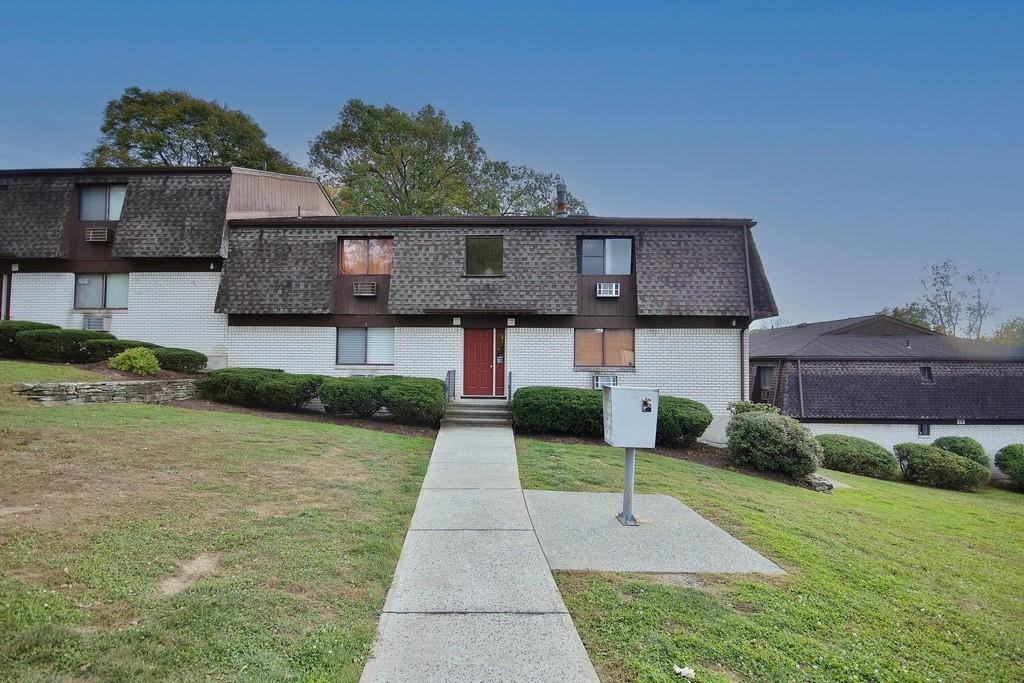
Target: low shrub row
{"points": [[857, 456], [412, 400], [1010, 459], [560, 410], [40, 341], [773, 443], [933, 466], [260, 388]]}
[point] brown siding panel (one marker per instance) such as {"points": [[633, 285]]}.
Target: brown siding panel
{"points": [[588, 303], [346, 303]]}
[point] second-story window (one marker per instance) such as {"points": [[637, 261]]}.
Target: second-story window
{"points": [[362, 256], [101, 202], [484, 256], [605, 255]]}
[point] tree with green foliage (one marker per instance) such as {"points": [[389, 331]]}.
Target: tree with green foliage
{"points": [[1010, 332], [952, 302], [383, 161], [173, 128], [913, 313]]}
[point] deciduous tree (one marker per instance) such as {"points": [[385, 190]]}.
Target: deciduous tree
{"points": [[1010, 332]]}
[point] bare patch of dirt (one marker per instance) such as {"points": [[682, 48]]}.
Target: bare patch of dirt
{"points": [[199, 566], [700, 453], [382, 424]]}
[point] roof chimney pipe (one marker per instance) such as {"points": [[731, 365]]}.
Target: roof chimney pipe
{"points": [[561, 200]]}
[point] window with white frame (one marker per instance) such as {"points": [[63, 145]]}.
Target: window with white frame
{"points": [[101, 202], [101, 290], [366, 346]]}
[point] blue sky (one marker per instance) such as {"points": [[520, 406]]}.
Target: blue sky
{"points": [[868, 139]]}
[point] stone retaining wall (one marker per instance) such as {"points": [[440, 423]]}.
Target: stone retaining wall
{"points": [[131, 391]]}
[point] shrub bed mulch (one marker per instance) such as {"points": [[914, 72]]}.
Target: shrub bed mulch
{"points": [[101, 368], [700, 453], [381, 424]]}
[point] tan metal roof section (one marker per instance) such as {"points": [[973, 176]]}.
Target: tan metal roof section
{"points": [[264, 194]]}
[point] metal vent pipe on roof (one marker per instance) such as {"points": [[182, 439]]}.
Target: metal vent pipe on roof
{"points": [[561, 200]]}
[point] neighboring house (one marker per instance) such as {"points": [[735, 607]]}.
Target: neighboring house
{"points": [[495, 303], [889, 381], [138, 252]]}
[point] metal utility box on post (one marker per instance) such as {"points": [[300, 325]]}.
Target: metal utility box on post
{"points": [[630, 422]]}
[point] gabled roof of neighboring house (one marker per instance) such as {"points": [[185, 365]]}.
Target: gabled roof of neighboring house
{"points": [[872, 337], [684, 266], [169, 212]]}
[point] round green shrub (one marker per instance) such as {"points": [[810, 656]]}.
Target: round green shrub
{"points": [[234, 385], [931, 466], [67, 346], [857, 456], [680, 421], [284, 391], [413, 400], [773, 443], [136, 360], [180, 360], [358, 396], [558, 410], [10, 328], [740, 407], [965, 446], [1010, 459], [102, 349]]}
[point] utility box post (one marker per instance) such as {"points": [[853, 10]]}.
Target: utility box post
{"points": [[630, 422]]}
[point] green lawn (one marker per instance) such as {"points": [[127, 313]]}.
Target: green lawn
{"points": [[887, 581], [292, 530]]}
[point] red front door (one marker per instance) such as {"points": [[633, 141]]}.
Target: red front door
{"points": [[478, 362]]}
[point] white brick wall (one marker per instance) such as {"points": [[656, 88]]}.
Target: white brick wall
{"points": [[992, 437], [170, 309], [702, 364]]}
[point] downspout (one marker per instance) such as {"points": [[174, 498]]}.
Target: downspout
{"points": [[9, 278], [743, 368], [800, 384]]}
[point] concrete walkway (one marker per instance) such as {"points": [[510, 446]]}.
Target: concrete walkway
{"points": [[473, 598]]}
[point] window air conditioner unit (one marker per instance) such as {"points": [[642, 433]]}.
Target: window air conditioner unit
{"points": [[364, 289], [97, 234], [608, 289], [605, 381], [96, 323]]}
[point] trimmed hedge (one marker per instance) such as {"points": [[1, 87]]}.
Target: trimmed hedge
{"points": [[932, 466], [57, 345], [358, 396], [413, 400], [740, 407], [1010, 459], [965, 446], [180, 360], [773, 443], [857, 456], [561, 410], [259, 387], [136, 360], [103, 349], [9, 330]]}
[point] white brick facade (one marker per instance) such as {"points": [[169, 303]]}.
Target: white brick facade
{"points": [[992, 437], [170, 309], [702, 364]]}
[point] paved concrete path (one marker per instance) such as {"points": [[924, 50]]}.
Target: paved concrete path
{"points": [[473, 598]]}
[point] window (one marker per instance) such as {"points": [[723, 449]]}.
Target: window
{"points": [[926, 375], [605, 255], [765, 384], [605, 348], [924, 429], [101, 202], [366, 346], [367, 256], [484, 256], [101, 290]]}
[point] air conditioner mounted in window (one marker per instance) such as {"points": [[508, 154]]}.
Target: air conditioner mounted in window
{"points": [[608, 289], [97, 234], [96, 323], [364, 289], [605, 381]]}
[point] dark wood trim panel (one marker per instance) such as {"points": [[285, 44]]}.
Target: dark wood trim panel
{"points": [[588, 303], [347, 303], [906, 421], [568, 222], [116, 265], [491, 320]]}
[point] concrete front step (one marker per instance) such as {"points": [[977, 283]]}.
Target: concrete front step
{"points": [[476, 412], [479, 421]]}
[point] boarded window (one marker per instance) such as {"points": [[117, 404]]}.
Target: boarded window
{"points": [[484, 256], [366, 346], [612, 348]]}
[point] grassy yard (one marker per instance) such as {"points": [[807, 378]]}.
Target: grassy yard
{"points": [[887, 581], [155, 543]]}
